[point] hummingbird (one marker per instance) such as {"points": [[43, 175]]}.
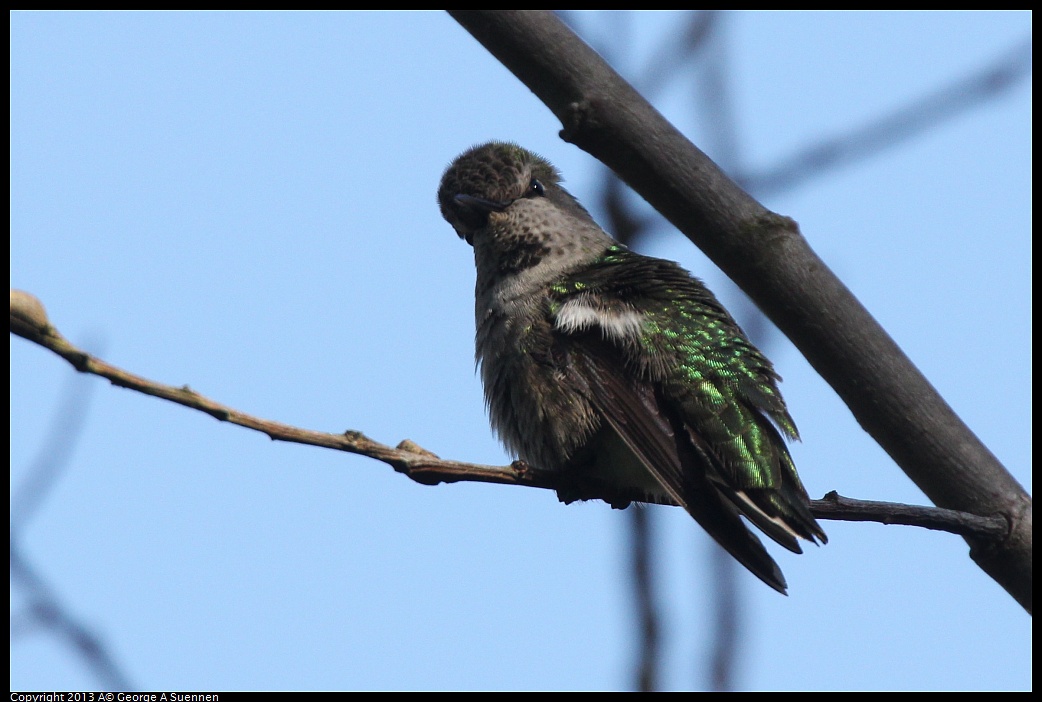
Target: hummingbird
{"points": [[620, 373]]}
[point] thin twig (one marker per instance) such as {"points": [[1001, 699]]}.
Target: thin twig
{"points": [[835, 506], [29, 321]]}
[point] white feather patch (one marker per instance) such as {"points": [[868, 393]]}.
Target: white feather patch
{"points": [[617, 325]]}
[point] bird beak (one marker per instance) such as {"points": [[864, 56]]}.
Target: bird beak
{"points": [[473, 212], [480, 204]]}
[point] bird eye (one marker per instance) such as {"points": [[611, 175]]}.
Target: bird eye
{"points": [[535, 188]]}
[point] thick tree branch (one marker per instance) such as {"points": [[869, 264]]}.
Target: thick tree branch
{"points": [[29, 321], [768, 257]]}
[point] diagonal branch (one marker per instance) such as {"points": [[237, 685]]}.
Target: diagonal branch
{"points": [[46, 610], [894, 128], [768, 257]]}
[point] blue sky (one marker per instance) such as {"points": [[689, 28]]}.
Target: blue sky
{"points": [[245, 203]]}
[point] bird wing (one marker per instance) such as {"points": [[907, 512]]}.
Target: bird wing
{"points": [[635, 410], [693, 400]]}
